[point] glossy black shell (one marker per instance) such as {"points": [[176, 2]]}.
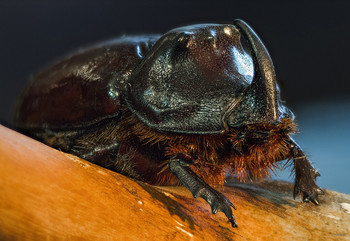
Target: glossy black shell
{"points": [[192, 80], [83, 88]]}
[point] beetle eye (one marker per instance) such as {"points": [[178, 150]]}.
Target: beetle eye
{"points": [[181, 48], [182, 43]]}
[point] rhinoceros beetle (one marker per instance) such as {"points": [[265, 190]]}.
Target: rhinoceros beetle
{"points": [[189, 107]]}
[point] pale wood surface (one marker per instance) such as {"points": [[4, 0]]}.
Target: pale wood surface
{"points": [[47, 195]]}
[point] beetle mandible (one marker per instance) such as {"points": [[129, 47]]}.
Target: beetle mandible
{"points": [[184, 107]]}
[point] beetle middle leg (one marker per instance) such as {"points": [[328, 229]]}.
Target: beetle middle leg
{"points": [[218, 202], [98, 151], [305, 175]]}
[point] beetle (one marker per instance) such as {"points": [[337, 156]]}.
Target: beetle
{"points": [[187, 107]]}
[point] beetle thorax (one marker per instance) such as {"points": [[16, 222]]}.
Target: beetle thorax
{"points": [[259, 147], [249, 151]]}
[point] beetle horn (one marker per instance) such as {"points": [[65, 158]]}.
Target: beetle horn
{"points": [[264, 83]]}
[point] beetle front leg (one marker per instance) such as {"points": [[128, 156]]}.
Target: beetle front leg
{"points": [[305, 175], [199, 188]]}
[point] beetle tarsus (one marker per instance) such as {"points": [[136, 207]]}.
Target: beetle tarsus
{"points": [[233, 222], [199, 188], [305, 176]]}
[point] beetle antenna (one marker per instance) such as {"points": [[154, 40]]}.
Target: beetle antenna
{"points": [[231, 108]]}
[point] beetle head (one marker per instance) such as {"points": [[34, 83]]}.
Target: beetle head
{"points": [[202, 78], [260, 101]]}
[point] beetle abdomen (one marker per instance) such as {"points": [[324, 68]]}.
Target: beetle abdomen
{"points": [[83, 88]]}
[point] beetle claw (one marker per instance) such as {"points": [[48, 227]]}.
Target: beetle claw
{"points": [[216, 200], [220, 203], [233, 222], [309, 190]]}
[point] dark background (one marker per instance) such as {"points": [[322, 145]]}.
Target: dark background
{"points": [[308, 42]]}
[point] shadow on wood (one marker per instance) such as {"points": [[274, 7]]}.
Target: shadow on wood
{"points": [[47, 194]]}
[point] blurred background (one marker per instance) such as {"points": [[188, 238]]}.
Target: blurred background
{"points": [[308, 42]]}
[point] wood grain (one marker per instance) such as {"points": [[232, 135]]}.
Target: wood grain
{"points": [[47, 194]]}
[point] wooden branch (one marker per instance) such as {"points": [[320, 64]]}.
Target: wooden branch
{"points": [[47, 194]]}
